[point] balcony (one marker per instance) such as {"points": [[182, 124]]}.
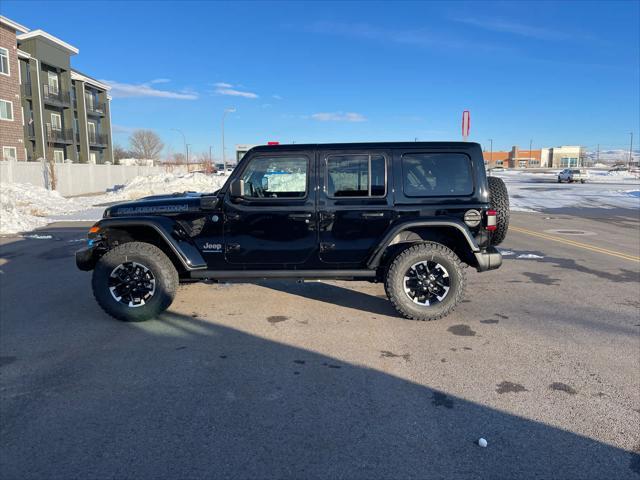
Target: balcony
{"points": [[29, 131], [60, 136], [25, 90], [56, 97], [96, 108], [98, 139]]}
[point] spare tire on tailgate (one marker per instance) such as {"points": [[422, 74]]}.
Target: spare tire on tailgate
{"points": [[499, 201]]}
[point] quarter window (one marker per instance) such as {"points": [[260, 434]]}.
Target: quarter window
{"points": [[356, 175], [6, 110], [436, 174], [4, 61], [276, 177]]}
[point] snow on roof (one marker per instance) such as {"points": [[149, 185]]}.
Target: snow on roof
{"points": [[50, 39]]}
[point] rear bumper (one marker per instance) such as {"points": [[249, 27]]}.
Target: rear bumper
{"points": [[488, 259], [86, 259]]}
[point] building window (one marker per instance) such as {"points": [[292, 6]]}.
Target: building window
{"points": [[356, 176], [9, 153], [56, 121], [54, 83], [4, 61], [93, 157], [58, 156], [568, 162], [436, 174], [6, 110]]}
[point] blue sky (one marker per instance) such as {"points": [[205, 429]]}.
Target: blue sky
{"points": [[557, 73]]}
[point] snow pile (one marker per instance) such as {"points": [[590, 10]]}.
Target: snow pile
{"points": [[24, 207], [163, 184]]}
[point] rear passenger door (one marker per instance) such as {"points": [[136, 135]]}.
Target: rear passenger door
{"points": [[354, 204]]}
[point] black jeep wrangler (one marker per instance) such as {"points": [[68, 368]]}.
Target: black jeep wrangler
{"points": [[411, 215]]}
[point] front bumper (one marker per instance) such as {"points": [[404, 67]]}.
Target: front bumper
{"points": [[488, 259], [86, 259]]}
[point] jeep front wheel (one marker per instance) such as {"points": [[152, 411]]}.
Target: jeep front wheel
{"points": [[425, 281], [134, 282]]}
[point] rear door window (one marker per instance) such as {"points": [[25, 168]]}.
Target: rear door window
{"points": [[436, 174], [356, 175]]}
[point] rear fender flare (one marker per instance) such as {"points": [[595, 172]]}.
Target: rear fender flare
{"points": [[376, 256], [188, 255]]}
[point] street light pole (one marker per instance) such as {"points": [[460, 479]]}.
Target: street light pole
{"points": [[224, 157], [188, 166], [631, 150], [491, 152], [530, 151]]}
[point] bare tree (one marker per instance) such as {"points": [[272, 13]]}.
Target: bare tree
{"points": [[119, 153], [145, 144]]}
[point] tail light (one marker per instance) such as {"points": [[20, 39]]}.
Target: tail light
{"points": [[492, 222]]}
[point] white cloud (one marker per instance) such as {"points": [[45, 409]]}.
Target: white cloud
{"points": [[161, 80], [229, 89], [122, 129], [277, 97], [339, 117], [128, 90], [516, 28]]}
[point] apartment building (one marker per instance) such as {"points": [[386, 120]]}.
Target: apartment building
{"points": [[63, 114], [11, 130]]}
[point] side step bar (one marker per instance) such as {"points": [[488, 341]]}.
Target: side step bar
{"points": [[292, 274]]}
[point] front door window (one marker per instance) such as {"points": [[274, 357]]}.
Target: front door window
{"points": [[276, 177]]}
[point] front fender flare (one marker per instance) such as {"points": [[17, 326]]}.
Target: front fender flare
{"points": [[376, 256], [185, 251]]}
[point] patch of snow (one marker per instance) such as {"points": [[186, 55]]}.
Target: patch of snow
{"points": [[35, 236], [506, 253], [529, 256]]}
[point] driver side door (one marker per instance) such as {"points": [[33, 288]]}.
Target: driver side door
{"points": [[274, 222]]}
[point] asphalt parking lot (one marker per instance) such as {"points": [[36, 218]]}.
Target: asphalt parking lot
{"points": [[323, 379]]}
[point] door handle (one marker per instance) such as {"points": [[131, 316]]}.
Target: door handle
{"points": [[372, 214], [233, 247], [299, 216], [233, 216]]}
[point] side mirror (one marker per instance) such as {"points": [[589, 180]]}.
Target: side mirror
{"points": [[236, 189]]}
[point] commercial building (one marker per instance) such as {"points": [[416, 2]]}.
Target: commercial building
{"points": [[552, 157], [62, 114]]}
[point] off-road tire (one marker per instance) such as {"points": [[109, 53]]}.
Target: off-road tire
{"points": [[499, 201], [394, 281], [151, 257]]}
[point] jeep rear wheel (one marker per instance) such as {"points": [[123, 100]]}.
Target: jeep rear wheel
{"points": [[425, 281], [134, 282], [499, 201]]}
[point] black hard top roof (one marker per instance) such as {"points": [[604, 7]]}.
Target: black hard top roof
{"points": [[362, 146]]}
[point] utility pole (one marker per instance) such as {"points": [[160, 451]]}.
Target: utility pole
{"points": [[631, 150], [598, 154], [224, 156], [184, 141]]}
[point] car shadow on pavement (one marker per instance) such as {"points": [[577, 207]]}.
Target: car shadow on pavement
{"points": [[333, 294], [85, 396]]}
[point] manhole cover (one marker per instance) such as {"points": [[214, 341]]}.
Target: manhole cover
{"points": [[570, 232]]}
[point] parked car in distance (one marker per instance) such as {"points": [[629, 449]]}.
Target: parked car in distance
{"points": [[571, 175], [496, 169]]}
